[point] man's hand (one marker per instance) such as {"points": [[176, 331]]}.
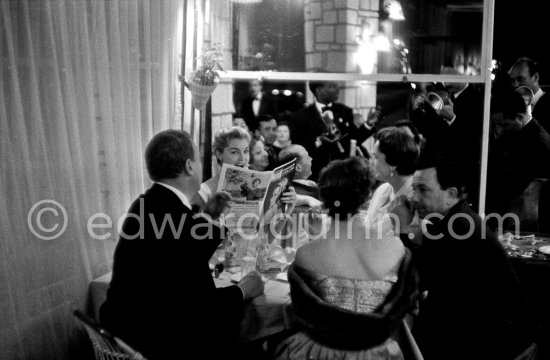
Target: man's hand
{"points": [[358, 120], [308, 201], [251, 285], [289, 198], [447, 112], [418, 101], [220, 203], [323, 139], [327, 116], [374, 115]]}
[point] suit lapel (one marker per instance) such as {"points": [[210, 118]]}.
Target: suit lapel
{"points": [[316, 121]]}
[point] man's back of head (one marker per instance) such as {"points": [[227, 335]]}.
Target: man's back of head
{"points": [[303, 160], [171, 157]]}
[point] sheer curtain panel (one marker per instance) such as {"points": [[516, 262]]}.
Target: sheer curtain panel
{"points": [[84, 84]]}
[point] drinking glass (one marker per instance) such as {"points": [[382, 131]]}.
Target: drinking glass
{"points": [[248, 264], [248, 257]]}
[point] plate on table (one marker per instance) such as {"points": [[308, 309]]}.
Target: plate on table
{"points": [[544, 247], [527, 244]]}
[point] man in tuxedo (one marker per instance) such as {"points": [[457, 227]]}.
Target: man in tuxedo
{"points": [[162, 299], [257, 103], [519, 154], [475, 307], [525, 72], [267, 129], [325, 127]]}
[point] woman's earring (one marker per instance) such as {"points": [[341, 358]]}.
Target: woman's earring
{"points": [[391, 172]]}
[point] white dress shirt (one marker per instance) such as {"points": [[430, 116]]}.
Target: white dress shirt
{"points": [[256, 104]]}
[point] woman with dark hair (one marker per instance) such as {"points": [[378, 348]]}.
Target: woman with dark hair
{"points": [[393, 162], [259, 157], [412, 131], [283, 136], [348, 301]]}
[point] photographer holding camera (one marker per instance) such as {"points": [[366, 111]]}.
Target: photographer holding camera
{"points": [[325, 127]]}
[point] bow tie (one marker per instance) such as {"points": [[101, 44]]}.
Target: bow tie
{"points": [[325, 108]]}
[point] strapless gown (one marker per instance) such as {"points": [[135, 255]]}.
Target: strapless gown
{"points": [[358, 296]]}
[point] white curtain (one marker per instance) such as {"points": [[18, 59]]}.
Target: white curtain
{"points": [[84, 84]]}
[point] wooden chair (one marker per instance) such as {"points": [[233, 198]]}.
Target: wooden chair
{"points": [[106, 346]]}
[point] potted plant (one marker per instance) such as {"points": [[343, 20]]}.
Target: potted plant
{"points": [[203, 80]]}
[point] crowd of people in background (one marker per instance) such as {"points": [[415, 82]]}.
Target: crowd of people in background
{"points": [[444, 119], [378, 262]]}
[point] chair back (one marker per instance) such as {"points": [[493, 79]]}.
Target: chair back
{"points": [[105, 345]]}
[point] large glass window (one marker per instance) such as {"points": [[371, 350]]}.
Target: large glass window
{"points": [[378, 36], [379, 51]]}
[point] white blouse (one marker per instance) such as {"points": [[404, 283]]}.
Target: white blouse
{"points": [[377, 218]]}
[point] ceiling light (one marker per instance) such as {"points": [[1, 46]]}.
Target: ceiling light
{"points": [[394, 9]]}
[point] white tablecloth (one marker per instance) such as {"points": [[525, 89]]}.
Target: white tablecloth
{"points": [[265, 315]]}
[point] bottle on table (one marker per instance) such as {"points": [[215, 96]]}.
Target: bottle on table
{"points": [[262, 257], [231, 251]]}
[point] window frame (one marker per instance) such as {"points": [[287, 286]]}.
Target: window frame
{"points": [[195, 33]]}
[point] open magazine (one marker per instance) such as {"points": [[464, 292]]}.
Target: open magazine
{"points": [[256, 195]]}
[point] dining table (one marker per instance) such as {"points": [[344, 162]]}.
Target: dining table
{"points": [[265, 315], [529, 254]]}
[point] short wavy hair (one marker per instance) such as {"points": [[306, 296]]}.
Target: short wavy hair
{"points": [[400, 149], [224, 136], [406, 123], [166, 154], [344, 185]]}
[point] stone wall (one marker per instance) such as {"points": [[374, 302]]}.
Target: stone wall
{"points": [[222, 98], [332, 28]]}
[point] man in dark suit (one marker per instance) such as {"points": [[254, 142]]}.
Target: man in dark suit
{"points": [[267, 129], [475, 307], [453, 126], [525, 72], [325, 127], [520, 152], [257, 103], [162, 299]]}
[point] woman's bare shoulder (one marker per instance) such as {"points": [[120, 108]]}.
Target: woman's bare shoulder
{"points": [[309, 254]]}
